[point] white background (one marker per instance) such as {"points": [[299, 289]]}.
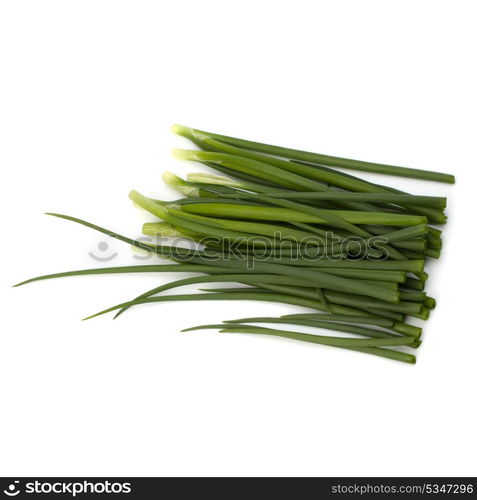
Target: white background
{"points": [[88, 92]]}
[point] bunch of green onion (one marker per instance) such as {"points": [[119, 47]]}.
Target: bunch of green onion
{"points": [[283, 225]]}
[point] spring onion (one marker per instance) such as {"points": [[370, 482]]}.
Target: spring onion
{"points": [[283, 225]]}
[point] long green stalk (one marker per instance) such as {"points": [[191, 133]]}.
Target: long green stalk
{"points": [[260, 296], [317, 323], [362, 274], [409, 266], [234, 277], [397, 326], [347, 299], [364, 320], [377, 351], [284, 214], [424, 201], [328, 325], [316, 339], [323, 159], [161, 268]]}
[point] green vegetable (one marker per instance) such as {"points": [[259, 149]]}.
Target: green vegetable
{"points": [[399, 199], [353, 344], [288, 228], [317, 158]]}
